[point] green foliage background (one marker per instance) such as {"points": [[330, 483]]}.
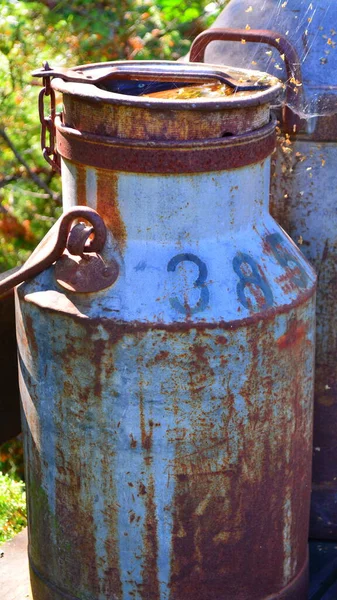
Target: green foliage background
{"points": [[68, 32], [12, 507]]}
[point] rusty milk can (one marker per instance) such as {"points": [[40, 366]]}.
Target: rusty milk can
{"points": [[167, 409], [304, 187]]}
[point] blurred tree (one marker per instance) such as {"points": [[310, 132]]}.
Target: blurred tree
{"points": [[68, 32]]}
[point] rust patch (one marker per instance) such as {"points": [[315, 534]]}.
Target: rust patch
{"points": [[146, 436], [141, 489], [162, 355], [133, 442], [286, 281], [81, 185], [294, 335], [171, 120], [30, 332], [221, 339], [231, 514], [198, 156], [107, 205], [150, 584]]}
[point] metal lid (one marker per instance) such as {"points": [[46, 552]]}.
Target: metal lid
{"points": [[108, 99], [126, 82]]}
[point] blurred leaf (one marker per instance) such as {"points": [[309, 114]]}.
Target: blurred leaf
{"points": [[12, 507], [68, 32]]}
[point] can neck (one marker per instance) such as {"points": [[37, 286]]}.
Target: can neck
{"points": [[172, 208]]}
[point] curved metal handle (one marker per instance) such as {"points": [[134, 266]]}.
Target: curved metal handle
{"points": [[178, 72], [261, 36], [55, 242]]}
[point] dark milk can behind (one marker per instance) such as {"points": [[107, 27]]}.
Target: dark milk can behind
{"points": [[168, 416]]}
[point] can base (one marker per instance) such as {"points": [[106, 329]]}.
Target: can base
{"points": [[42, 589], [298, 588]]}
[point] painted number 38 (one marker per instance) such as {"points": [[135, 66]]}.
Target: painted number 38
{"points": [[252, 287], [252, 278]]}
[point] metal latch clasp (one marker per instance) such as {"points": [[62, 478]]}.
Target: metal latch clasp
{"points": [[76, 247]]}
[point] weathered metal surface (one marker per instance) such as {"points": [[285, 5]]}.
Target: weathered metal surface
{"points": [[14, 570], [90, 109], [297, 202], [304, 196], [100, 92], [178, 419], [168, 419], [162, 124], [226, 152]]}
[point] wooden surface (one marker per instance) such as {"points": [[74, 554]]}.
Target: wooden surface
{"points": [[14, 578]]}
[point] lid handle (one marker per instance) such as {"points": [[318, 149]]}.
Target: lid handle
{"points": [[292, 63], [177, 73]]}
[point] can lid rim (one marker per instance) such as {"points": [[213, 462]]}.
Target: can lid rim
{"points": [[92, 93]]}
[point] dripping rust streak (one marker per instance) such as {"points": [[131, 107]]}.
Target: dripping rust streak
{"points": [[294, 335], [81, 183], [226, 504], [145, 437], [150, 586], [107, 205]]}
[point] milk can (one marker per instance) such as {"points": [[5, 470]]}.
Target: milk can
{"points": [[167, 373], [304, 186]]}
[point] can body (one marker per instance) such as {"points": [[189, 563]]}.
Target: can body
{"points": [[171, 455], [168, 419]]}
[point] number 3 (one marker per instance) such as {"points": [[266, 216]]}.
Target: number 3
{"points": [[199, 283]]}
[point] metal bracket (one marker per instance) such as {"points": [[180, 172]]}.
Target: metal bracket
{"points": [[60, 238]]}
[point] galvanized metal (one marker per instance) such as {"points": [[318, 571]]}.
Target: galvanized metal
{"points": [[168, 418], [304, 184]]}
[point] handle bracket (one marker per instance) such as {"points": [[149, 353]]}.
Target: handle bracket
{"points": [[294, 86], [63, 237]]}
